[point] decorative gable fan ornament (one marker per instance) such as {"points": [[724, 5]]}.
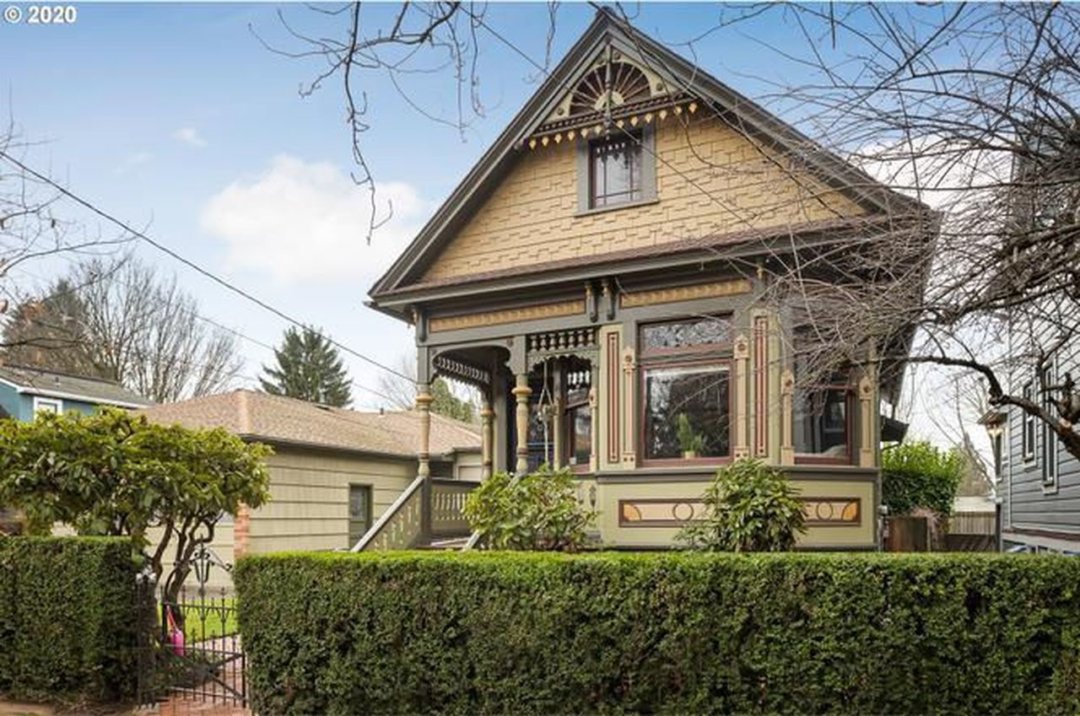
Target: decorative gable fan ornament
{"points": [[616, 92], [611, 85]]}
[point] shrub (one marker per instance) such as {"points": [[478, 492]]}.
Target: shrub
{"points": [[538, 511], [672, 633], [749, 507], [67, 618], [917, 474], [114, 473]]}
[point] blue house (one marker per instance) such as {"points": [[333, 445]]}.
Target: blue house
{"points": [[24, 392]]}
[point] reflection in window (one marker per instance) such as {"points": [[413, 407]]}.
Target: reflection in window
{"points": [[686, 388], [701, 394], [821, 404], [821, 422]]}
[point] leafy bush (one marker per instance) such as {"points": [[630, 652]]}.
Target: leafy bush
{"points": [[673, 633], [917, 474], [749, 507], [113, 473], [538, 511], [67, 618]]}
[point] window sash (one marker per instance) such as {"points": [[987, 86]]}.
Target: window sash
{"points": [[359, 512], [615, 172], [1027, 435], [815, 432], [711, 367], [1049, 437]]}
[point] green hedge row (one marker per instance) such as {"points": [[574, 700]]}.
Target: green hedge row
{"points": [[674, 633], [67, 618]]}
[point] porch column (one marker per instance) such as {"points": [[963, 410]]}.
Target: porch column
{"points": [[559, 389], [423, 404], [594, 422], [487, 416], [867, 452], [740, 386], [522, 391]]}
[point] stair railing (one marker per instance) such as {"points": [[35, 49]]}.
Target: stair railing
{"points": [[401, 526]]}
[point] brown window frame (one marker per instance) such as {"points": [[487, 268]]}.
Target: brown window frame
{"points": [[716, 354], [843, 384], [570, 434], [803, 458]]}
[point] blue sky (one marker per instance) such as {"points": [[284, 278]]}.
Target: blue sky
{"points": [[177, 118]]}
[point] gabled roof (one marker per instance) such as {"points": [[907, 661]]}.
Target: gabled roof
{"points": [[275, 419], [51, 384], [606, 31]]}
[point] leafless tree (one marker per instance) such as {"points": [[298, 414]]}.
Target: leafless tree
{"points": [[374, 41], [452, 399], [973, 110], [33, 228], [119, 319]]}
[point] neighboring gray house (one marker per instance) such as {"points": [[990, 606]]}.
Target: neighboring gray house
{"points": [[24, 392], [1040, 480]]}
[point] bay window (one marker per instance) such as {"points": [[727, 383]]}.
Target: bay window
{"points": [[686, 389], [822, 406]]}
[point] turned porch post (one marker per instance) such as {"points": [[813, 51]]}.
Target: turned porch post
{"points": [[487, 417], [522, 391], [423, 404]]}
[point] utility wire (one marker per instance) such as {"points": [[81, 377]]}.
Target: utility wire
{"points": [[194, 266], [194, 314]]}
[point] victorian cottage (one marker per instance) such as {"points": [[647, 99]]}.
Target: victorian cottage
{"points": [[583, 276]]}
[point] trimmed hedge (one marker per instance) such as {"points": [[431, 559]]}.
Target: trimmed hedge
{"points": [[676, 633], [67, 618]]}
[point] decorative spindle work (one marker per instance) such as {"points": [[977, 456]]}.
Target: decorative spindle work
{"points": [[579, 342], [460, 370]]}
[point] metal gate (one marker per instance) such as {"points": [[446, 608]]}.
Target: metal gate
{"points": [[192, 651]]}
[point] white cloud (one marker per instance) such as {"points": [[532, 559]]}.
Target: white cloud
{"points": [[301, 221], [133, 161], [190, 136]]}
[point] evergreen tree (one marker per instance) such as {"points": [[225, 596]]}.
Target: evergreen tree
{"points": [[50, 333], [308, 368], [446, 403]]}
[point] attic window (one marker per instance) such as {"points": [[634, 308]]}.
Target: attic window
{"points": [[615, 171]]}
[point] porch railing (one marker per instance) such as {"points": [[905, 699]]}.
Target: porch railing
{"points": [[429, 509], [447, 507]]}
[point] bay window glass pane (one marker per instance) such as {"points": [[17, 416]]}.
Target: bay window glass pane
{"points": [[702, 395], [581, 436], [821, 422]]}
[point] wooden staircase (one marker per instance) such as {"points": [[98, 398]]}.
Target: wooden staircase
{"points": [[427, 515]]}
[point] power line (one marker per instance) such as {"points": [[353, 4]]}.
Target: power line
{"points": [[194, 266], [189, 311]]}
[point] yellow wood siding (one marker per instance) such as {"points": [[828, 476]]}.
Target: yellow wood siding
{"points": [[310, 498], [531, 217]]}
